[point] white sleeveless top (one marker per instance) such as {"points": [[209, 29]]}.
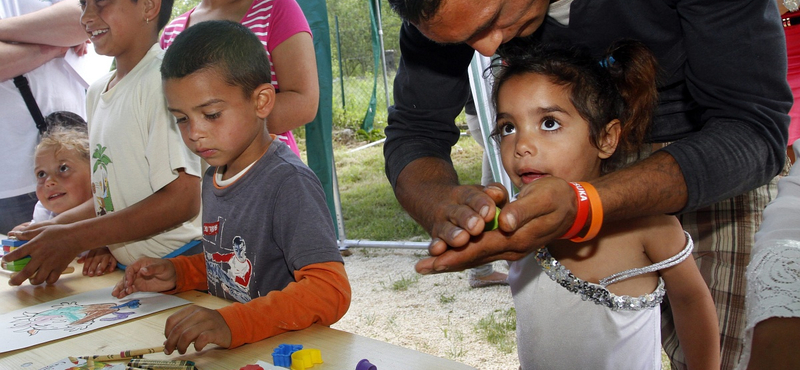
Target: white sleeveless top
{"points": [[564, 322]]}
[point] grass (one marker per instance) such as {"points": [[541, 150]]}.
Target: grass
{"points": [[369, 207], [499, 330], [456, 339], [445, 299], [403, 283]]}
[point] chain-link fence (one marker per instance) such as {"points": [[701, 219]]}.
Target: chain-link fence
{"points": [[352, 58], [354, 70]]}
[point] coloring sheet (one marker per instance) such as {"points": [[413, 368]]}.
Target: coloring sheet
{"points": [[66, 364], [75, 315]]}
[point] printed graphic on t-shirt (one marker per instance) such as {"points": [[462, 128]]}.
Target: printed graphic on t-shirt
{"points": [[211, 231], [100, 188], [231, 271]]}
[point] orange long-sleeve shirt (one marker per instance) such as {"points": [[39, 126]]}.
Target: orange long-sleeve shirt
{"points": [[320, 294]]}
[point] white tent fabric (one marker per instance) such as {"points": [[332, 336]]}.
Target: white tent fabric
{"points": [[481, 84]]}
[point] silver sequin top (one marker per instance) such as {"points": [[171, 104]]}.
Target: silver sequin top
{"points": [[598, 293]]}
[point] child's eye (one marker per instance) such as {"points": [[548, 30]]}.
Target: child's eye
{"points": [[212, 116], [41, 175], [550, 124], [64, 168], [180, 120], [507, 129]]}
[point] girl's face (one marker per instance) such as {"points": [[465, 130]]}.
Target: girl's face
{"points": [[63, 179], [541, 133]]}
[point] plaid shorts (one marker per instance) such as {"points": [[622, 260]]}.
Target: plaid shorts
{"points": [[723, 235]]}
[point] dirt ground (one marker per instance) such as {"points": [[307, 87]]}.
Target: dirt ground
{"points": [[435, 314]]}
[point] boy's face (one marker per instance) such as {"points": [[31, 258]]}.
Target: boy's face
{"points": [[115, 26], [542, 134], [217, 121], [63, 179]]}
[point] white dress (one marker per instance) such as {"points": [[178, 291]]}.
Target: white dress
{"points": [[564, 322], [773, 275]]}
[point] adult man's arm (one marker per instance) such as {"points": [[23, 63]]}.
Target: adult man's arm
{"points": [[740, 146], [430, 90], [17, 59], [742, 142], [57, 25]]}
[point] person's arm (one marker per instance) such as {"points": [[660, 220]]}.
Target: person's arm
{"points": [[775, 343], [17, 59], [191, 273], [296, 67], [742, 142], [690, 300], [773, 312], [422, 130], [740, 146], [52, 248], [320, 294], [56, 25]]}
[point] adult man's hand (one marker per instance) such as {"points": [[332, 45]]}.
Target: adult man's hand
{"points": [[544, 210]]}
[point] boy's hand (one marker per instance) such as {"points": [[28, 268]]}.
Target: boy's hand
{"points": [[21, 226], [146, 275], [98, 261], [195, 324]]}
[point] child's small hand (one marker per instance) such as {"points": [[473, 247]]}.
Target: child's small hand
{"points": [[146, 275], [98, 261], [198, 325]]}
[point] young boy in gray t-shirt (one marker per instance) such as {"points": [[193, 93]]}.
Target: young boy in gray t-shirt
{"points": [[268, 237]]}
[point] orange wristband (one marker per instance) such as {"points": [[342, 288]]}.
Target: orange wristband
{"points": [[583, 211], [597, 213]]}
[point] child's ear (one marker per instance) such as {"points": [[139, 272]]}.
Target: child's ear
{"points": [[609, 139], [151, 10], [264, 99]]}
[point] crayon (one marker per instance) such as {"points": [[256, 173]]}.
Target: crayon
{"points": [[142, 362], [124, 355], [162, 367], [492, 225]]}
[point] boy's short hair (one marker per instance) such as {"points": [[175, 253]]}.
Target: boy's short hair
{"points": [[72, 138], [231, 49]]}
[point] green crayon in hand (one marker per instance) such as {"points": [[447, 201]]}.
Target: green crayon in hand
{"points": [[492, 225]]}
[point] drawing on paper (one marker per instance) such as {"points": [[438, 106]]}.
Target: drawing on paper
{"points": [[77, 314], [71, 316]]}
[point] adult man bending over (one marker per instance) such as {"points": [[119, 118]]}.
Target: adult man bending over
{"points": [[722, 106]]}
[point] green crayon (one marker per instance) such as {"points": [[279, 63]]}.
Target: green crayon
{"points": [[492, 225]]}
